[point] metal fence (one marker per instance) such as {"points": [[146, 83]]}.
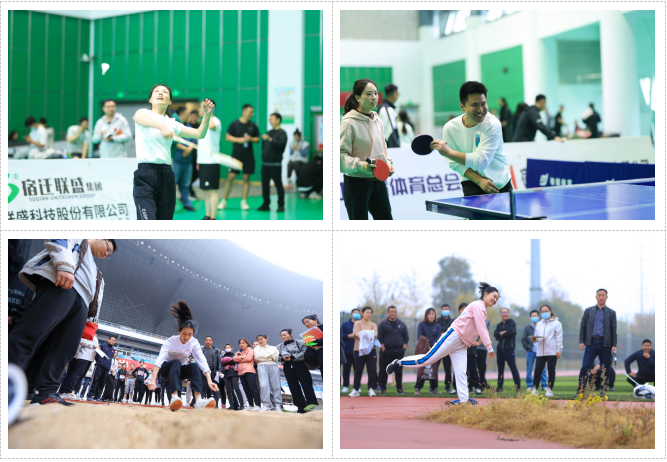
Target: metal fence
{"points": [[571, 356]]}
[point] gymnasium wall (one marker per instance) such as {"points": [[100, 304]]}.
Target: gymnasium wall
{"points": [[45, 76], [447, 80], [502, 74], [312, 77]]}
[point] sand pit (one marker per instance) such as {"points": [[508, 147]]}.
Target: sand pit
{"points": [[62, 427]]}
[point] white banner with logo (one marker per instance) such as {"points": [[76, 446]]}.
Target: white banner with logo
{"points": [[421, 178], [71, 189]]}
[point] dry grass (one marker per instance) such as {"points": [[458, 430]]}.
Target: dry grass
{"points": [[581, 426]]}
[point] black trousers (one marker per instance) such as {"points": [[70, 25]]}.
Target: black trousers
{"points": [[79, 371], [363, 196], [57, 311], [642, 379], [110, 386], [434, 382], [275, 174], [388, 355], [139, 390], [300, 383], [472, 189], [611, 379], [148, 394], [370, 361], [154, 192], [119, 391], [249, 382], [64, 384], [508, 356], [481, 367], [550, 361], [349, 364], [233, 392], [175, 372], [447, 366], [206, 391], [98, 382]]}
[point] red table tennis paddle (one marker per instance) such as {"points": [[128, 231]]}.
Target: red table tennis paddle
{"points": [[421, 144], [381, 170]]}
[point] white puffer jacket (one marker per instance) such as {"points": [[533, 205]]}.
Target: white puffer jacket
{"points": [[552, 331]]}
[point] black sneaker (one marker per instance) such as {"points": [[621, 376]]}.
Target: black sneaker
{"points": [[435, 391], [383, 392], [448, 390], [393, 366], [264, 208], [189, 208], [49, 399], [400, 391], [280, 209]]}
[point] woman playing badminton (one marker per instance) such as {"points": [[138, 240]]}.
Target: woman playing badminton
{"points": [[172, 362], [154, 184], [361, 137], [455, 341]]}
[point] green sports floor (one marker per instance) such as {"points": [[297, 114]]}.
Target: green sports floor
{"points": [[295, 209]]}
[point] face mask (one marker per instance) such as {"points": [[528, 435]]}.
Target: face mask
{"points": [[546, 315], [445, 312], [534, 319], [356, 316], [228, 350]]}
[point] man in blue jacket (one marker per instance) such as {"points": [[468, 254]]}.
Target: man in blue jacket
{"points": [[68, 290], [645, 362], [102, 367], [347, 337]]}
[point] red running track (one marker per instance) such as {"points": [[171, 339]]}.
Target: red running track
{"points": [[375, 423]]}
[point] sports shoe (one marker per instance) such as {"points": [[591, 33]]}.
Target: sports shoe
{"points": [[418, 391], [535, 392], [256, 408], [371, 392], [453, 392], [435, 391], [223, 204], [453, 402], [49, 399], [448, 389], [529, 389], [205, 402], [345, 390], [354, 393], [309, 407], [264, 409], [612, 389], [244, 205], [400, 391], [176, 403], [383, 392], [280, 209], [315, 197], [472, 401], [478, 391], [303, 196], [264, 208], [549, 393], [189, 208], [392, 366]]}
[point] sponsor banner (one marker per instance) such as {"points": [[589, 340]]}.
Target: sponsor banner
{"points": [[417, 179], [544, 173], [63, 189]]}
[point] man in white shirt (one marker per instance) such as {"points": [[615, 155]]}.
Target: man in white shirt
{"points": [[38, 139], [473, 145], [113, 131], [389, 117], [78, 139]]}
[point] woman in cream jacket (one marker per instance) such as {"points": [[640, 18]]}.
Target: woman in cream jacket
{"points": [[266, 357], [549, 347], [362, 136]]}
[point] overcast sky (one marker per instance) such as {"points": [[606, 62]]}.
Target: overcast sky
{"points": [[289, 252], [580, 263]]}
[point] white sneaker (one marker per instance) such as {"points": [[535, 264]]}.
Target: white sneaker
{"points": [[222, 205], [529, 389], [354, 393], [478, 391], [205, 402], [549, 392], [303, 195], [345, 390], [264, 408], [244, 205], [535, 392], [315, 197], [176, 403], [371, 392]]}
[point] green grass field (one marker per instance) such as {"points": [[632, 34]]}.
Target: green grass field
{"points": [[564, 388]]}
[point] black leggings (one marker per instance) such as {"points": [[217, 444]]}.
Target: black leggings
{"points": [[154, 192], [370, 361], [175, 373], [481, 367], [233, 392], [363, 196], [300, 383], [249, 382], [550, 361], [119, 391], [275, 174]]}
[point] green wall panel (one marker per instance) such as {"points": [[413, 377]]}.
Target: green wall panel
{"points": [[312, 70], [447, 81], [502, 74]]}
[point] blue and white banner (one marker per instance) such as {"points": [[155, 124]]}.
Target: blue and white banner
{"points": [[545, 173]]}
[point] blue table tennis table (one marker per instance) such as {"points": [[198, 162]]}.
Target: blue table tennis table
{"points": [[619, 200]]}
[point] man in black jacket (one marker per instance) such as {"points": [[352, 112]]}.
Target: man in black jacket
{"points": [[389, 116], [505, 333], [530, 121], [592, 119], [273, 147], [212, 355], [445, 322], [140, 374], [102, 367], [645, 362], [393, 336], [597, 335]]}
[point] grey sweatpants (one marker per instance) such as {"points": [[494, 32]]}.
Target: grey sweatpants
{"points": [[269, 386]]}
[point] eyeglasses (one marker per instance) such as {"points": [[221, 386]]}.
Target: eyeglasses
{"points": [[109, 249]]}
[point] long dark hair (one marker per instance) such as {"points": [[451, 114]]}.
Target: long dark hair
{"points": [[150, 95], [183, 315], [403, 117], [357, 89], [485, 288], [519, 109], [435, 319]]}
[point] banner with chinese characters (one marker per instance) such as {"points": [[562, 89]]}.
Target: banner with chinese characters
{"points": [[417, 179], [71, 189]]}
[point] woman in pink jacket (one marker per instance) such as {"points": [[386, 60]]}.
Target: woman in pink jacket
{"points": [[455, 341], [246, 359]]}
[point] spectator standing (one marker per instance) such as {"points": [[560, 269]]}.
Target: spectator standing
{"points": [[597, 336], [315, 354], [266, 357], [110, 382], [388, 114], [298, 150], [112, 131], [558, 121], [531, 353], [181, 164], [531, 121], [515, 117], [78, 139], [393, 337], [365, 333], [445, 322], [549, 347], [273, 147], [505, 121], [245, 358], [86, 381], [347, 336], [432, 330], [130, 381], [481, 352], [300, 382], [212, 356], [121, 378], [103, 366], [505, 333], [84, 356], [645, 363], [231, 379], [405, 130], [140, 374], [591, 118]]}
